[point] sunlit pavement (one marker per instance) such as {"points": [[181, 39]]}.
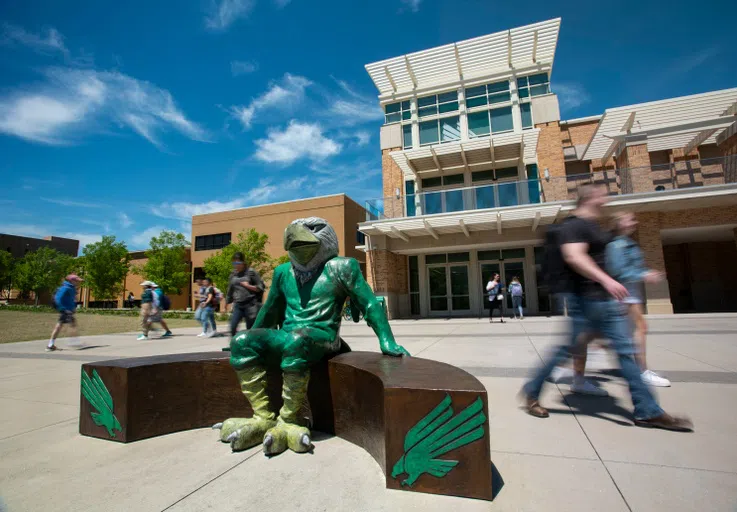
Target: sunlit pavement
{"points": [[586, 456]]}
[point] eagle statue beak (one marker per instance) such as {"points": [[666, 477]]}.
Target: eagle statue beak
{"points": [[300, 243]]}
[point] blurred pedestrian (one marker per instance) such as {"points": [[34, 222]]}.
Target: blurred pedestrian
{"points": [[494, 289], [516, 291], [208, 305], [147, 302], [131, 300], [157, 310], [595, 306], [625, 264], [65, 302], [245, 292]]}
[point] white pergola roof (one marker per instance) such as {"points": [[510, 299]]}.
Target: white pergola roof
{"points": [[684, 122], [496, 219], [528, 46], [503, 150]]}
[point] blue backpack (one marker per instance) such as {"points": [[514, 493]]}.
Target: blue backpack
{"points": [[165, 302]]}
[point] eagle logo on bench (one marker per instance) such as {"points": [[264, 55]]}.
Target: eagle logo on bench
{"points": [[94, 390], [437, 434]]}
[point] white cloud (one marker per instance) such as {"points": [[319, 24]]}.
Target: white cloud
{"points": [[242, 67], [412, 5], [299, 140], [142, 240], [52, 42], [571, 95], [353, 108], [264, 192], [125, 221], [76, 204], [84, 238], [74, 101], [223, 13], [284, 95], [45, 230], [363, 137]]}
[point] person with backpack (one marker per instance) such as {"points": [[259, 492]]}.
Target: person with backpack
{"points": [[245, 293], [208, 305], [66, 304], [147, 304], [161, 303], [496, 298], [515, 289]]}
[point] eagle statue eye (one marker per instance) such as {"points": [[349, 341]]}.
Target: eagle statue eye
{"points": [[317, 227]]}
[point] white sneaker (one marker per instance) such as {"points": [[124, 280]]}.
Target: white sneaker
{"points": [[586, 387], [651, 378], [211, 334], [202, 334], [142, 337], [561, 373]]}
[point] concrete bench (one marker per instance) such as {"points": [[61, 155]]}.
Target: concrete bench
{"points": [[424, 422]]}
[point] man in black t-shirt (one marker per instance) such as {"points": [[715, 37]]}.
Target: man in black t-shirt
{"points": [[595, 306]]}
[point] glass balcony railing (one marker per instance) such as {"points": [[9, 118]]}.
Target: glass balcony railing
{"points": [[500, 194]]}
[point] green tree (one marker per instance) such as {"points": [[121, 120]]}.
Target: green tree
{"points": [[41, 270], [167, 263], [105, 263], [7, 262], [253, 246]]}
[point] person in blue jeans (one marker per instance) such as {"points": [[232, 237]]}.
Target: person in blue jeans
{"points": [[516, 291], [208, 305], [595, 306]]}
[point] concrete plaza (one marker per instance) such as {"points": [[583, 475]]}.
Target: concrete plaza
{"points": [[586, 456]]}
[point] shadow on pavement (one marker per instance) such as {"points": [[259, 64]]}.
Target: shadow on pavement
{"points": [[596, 406], [497, 482]]}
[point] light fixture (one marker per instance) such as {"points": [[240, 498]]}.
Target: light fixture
{"points": [[546, 173]]}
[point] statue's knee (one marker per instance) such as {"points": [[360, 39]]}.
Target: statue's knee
{"points": [[244, 349]]}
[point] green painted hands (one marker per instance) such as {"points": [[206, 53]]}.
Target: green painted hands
{"points": [[392, 348]]}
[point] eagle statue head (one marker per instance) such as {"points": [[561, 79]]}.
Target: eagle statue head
{"points": [[310, 242]]}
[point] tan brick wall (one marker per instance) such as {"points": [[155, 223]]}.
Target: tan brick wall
{"points": [[729, 148], [550, 156], [648, 236], [579, 133], [393, 179], [697, 217], [387, 272], [634, 169]]}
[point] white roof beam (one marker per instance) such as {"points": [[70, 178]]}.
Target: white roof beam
{"points": [[534, 47], [458, 62], [627, 126], [499, 222], [435, 159], [610, 151], [491, 149], [509, 49], [464, 228], [400, 234], [732, 110], [410, 72], [389, 77], [536, 221], [429, 229], [698, 140]]}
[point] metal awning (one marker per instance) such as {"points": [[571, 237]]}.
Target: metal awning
{"points": [[530, 46], [497, 151], [497, 219], [684, 122]]}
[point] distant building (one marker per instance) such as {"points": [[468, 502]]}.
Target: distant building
{"points": [[477, 162], [18, 246]]}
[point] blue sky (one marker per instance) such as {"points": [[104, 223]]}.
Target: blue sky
{"points": [[126, 118]]}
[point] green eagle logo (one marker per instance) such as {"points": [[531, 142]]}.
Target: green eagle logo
{"points": [[94, 390]]}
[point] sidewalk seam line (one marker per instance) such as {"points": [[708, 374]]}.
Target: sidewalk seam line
{"points": [[39, 428]]}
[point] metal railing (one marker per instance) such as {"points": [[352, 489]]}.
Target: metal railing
{"points": [[499, 194]]}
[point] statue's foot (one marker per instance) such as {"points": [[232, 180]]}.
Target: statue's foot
{"points": [[287, 435], [243, 433]]}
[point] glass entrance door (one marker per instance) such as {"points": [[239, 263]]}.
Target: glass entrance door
{"points": [[449, 288], [507, 270], [487, 271]]}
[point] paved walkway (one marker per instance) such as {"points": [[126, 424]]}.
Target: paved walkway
{"points": [[586, 456]]}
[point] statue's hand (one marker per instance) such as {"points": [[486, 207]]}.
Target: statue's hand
{"points": [[392, 348]]}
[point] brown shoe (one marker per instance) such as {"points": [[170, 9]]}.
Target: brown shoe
{"points": [[667, 422], [535, 409]]}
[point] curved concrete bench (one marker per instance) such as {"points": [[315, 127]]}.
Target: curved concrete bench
{"points": [[424, 422]]}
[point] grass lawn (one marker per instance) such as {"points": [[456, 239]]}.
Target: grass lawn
{"points": [[26, 326]]}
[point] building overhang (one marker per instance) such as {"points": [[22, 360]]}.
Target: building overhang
{"points": [[684, 122], [497, 151], [530, 47]]}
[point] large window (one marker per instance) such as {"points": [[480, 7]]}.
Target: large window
{"points": [[409, 197], [442, 200], [490, 193], [407, 136], [414, 286], [437, 104], [440, 130], [497, 120], [395, 112], [488, 94], [526, 111], [210, 242], [533, 85]]}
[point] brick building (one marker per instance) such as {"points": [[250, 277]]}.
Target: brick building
{"points": [[477, 162]]}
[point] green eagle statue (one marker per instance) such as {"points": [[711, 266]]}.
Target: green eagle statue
{"points": [[297, 326]]}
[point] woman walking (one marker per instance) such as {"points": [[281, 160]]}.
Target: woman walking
{"points": [[515, 289], [625, 264], [494, 289]]}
